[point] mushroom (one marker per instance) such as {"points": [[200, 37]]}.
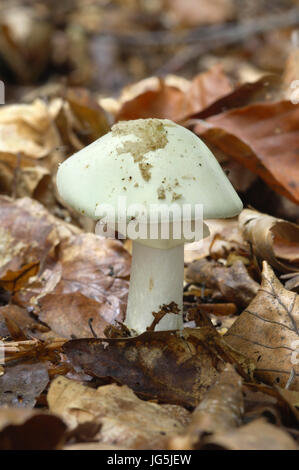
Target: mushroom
{"points": [[163, 173]]}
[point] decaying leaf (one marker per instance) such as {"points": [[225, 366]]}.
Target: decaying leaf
{"points": [[21, 384], [125, 419], [171, 102], [17, 323], [257, 435], [73, 315], [220, 410], [172, 366], [13, 281], [28, 233], [28, 147], [225, 236], [274, 240], [90, 285], [266, 89], [234, 282], [26, 429], [76, 270], [268, 332], [91, 119]]}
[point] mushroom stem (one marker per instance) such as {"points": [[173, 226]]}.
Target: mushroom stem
{"points": [[157, 278]]}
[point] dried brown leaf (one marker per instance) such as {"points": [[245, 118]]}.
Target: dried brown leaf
{"points": [[172, 366], [220, 410], [267, 331], [263, 137], [257, 435], [125, 419], [21, 384], [26, 429], [172, 102], [234, 282], [28, 233], [274, 240], [73, 315], [22, 319]]}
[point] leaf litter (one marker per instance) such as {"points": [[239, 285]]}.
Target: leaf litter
{"points": [[229, 379]]}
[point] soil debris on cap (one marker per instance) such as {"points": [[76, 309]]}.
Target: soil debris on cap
{"points": [[151, 136]]}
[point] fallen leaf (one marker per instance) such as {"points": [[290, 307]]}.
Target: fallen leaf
{"points": [[25, 429], [220, 410], [21, 384], [28, 233], [19, 319], [13, 281], [257, 435], [92, 121], [266, 89], [73, 315], [125, 419], [274, 240], [28, 147], [225, 236], [263, 137], [267, 332], [91, 285], [71, 262], [172, 366], [170, 102], [234, 282]]}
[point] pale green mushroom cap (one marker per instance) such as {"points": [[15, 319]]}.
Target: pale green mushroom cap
{"points": [[148, 161]]}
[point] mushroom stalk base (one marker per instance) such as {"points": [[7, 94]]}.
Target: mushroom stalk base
{"points": [[157, 278]]}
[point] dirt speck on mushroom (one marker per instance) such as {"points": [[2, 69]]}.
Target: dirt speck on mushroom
{"points": [[151, 136]]}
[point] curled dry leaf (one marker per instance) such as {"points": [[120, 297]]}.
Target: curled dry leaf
{"points": [[78, 117], [125, 419], [172, 366], [274, 240], [225, 236], [28, 147], [91, 118], [25, 429], [264, 138], [268, 332], [234, 282], [220, 410], [21, 384], [171, 102], [257, 435]]}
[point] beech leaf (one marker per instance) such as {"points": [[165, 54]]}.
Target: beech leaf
{"points": [[268, 332]]}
